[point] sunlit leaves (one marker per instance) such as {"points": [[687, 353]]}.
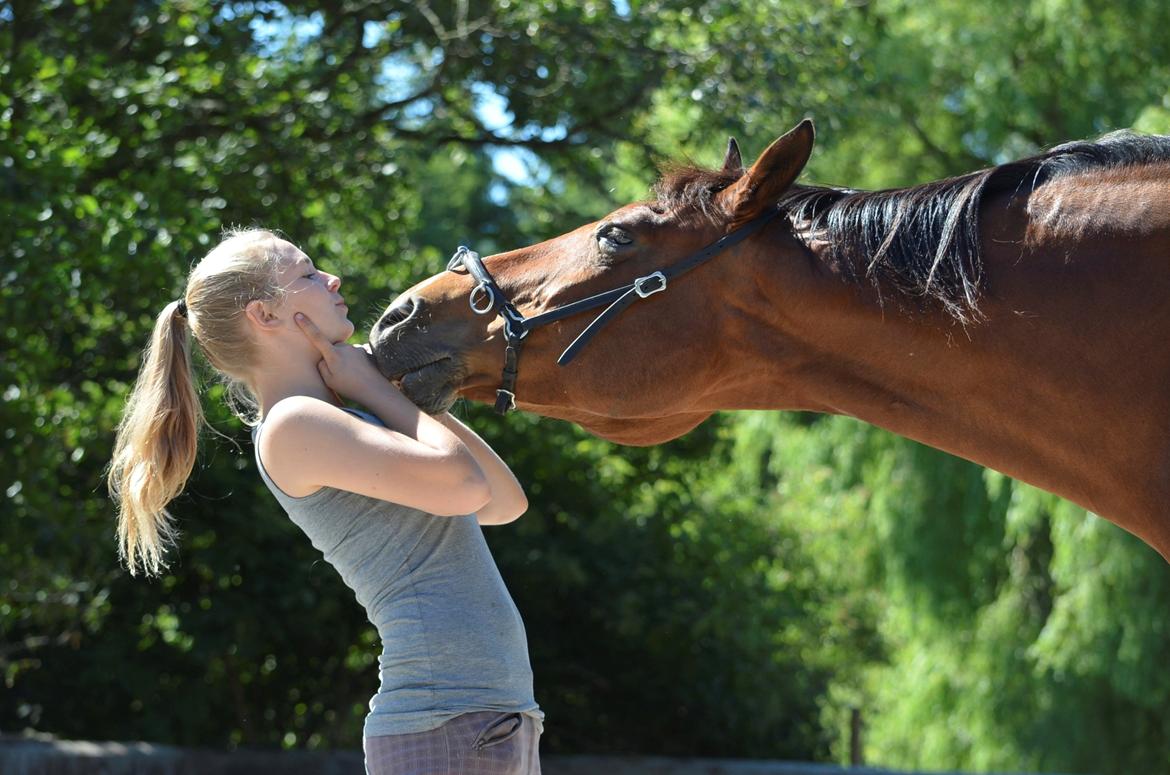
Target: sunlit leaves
{"points": [[737, 592]]}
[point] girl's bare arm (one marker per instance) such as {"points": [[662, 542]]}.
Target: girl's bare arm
{"points": [[508, 500], [415, 460]]}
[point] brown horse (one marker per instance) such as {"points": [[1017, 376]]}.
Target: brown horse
{"points": [[1017, 316]]}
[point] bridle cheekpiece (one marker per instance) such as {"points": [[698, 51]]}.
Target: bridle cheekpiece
{"points": [[487, 298]]}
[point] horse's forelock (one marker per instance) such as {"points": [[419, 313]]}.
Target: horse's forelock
{"points": [[688, 188]]}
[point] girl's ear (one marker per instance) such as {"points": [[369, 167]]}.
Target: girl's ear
{"points": [[261, 316]]}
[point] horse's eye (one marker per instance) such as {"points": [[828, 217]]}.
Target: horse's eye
{"points": [[613, 237]]}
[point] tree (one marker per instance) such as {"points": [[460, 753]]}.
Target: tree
{"points": [[749, 584], [131, 135]]}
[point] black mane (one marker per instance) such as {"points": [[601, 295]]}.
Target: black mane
{"points": [[923, 240]]}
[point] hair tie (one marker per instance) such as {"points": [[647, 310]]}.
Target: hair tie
{"points": [[182, 309]]}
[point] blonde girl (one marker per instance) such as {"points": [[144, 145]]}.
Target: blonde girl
{"points": [[392, 497]]}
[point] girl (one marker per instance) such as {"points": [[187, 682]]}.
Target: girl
{"points": [[383, 492]]}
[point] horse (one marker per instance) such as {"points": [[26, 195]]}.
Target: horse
{"points": [[1017, 316]]}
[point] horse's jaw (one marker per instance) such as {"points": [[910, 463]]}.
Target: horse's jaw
{"points": [[628, 431]]}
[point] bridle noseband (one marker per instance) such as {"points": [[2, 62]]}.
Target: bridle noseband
{"points": [[487, 297]]}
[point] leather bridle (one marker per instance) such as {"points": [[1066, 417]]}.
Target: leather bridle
{"points": [[487, 297]]}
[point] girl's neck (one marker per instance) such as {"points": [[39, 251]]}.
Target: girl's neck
{"points": [[289, 377]]}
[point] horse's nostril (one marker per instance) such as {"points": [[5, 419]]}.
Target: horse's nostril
{"points": [[402, 311]]}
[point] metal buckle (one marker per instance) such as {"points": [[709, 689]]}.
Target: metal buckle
{"points": [[456, 263], [500, 393], [641, 281], [482, 291], [513, 322]]}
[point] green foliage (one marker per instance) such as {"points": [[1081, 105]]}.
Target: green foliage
{"points": [[990, 626], [738, 592], [657, 595], [131, 135]]}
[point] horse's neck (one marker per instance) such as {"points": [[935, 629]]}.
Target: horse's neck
{"points": [[1062, 384]]}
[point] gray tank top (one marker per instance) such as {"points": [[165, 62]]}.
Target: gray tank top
{"points": [[452, 639]]}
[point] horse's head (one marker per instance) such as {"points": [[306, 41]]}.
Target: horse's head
{"points": [[650, 373]]}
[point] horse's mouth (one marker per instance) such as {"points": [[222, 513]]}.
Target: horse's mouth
{"points": [[431, 386]]}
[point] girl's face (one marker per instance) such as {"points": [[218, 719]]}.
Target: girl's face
{"points": [[310, 291]]}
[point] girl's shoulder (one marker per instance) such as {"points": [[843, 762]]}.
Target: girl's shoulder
{"points": [[296, 414], [294, 408], [291, 436]]}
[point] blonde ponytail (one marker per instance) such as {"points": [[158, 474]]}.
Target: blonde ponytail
{"points": [[155, 447], [154, 451]]}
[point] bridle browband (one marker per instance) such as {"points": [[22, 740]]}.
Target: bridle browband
{"points": [[487, 297]]}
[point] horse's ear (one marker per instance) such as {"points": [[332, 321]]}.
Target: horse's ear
{"points": [[777, 168], [732, 162]]}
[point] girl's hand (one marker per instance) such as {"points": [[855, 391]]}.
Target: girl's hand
{"points": [[348, 369]]}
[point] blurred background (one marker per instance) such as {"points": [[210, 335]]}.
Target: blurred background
{"points": [[742, 592]]}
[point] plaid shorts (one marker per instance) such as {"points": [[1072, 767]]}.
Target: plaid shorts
{"points": [[481, 743]]}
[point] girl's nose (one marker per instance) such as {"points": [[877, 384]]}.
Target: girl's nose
{"points": [[334, 282]]}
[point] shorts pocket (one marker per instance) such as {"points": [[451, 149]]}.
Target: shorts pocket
{"points": [[499, 730]]}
